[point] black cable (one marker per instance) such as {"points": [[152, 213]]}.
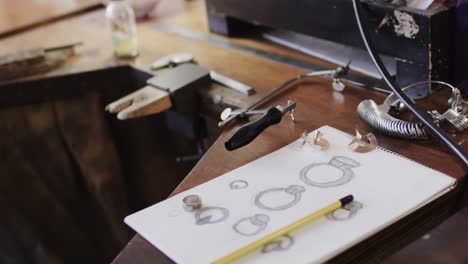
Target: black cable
{"points": [[396, 89]]}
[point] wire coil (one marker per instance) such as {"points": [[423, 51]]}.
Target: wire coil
{"points": [[389, 125]]}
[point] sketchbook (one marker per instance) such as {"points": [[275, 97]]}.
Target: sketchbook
{"points": [[260, 197]]}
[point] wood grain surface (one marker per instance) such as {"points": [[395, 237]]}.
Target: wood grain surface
{"points": [[445, 244]]}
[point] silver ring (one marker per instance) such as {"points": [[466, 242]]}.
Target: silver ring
{"points": [[192, 203]]}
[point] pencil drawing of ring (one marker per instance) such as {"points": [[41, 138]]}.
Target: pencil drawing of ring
{"points": [[281, 244], [211, 215], [341, 165], [238, 184], [346, 212], [279, 198], [192, 203], [252, 225]]}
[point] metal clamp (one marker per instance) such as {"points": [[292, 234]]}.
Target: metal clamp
{"points": [[456, 114], [379, 117]]}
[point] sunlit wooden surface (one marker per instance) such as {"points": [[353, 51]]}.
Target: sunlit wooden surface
{"points": [[16, 14]]}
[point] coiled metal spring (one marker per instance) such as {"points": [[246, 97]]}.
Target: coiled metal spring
{"points": [[389, 125]]}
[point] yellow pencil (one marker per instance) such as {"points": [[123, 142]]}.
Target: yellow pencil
{"points": [[283, 231]]}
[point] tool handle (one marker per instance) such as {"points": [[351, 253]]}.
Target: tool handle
{"points": [[250, 131]]}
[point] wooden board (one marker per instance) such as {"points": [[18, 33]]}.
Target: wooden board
{"points": [[445, 244], [19, 15]]}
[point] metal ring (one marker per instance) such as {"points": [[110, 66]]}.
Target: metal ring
{"points": [[192, 203]]}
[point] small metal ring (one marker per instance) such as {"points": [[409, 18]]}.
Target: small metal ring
{"points": [[192, 203]]}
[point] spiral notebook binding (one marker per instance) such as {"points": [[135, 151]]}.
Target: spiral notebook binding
{"points": [[396, 154]]}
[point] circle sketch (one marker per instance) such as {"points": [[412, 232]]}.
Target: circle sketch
{"points": [[279, 198], [211, 215], [284, 243], [343, 164], [238, 184], [252, 225]]}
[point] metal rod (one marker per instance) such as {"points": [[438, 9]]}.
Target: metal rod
{"points": [[286, 84], [231, 83], [273, 92]]}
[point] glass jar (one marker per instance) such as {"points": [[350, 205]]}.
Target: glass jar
{"points": [[121, 23]]}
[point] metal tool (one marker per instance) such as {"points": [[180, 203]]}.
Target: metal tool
{"points": [[247, 133], [181, 58], [337, 85], [228, 112], [457, 120], [172, 60], [457, 113], [368, 43], [231, 83], [380, 117]]}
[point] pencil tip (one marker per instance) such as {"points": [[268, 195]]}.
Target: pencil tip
{"points": [[346, 200]]}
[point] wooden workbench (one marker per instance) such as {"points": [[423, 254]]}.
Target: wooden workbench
{"points": [[444, 244], [317, 105], [18, 16]]}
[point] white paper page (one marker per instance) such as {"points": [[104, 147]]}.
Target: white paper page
{"points": [[388, 187]]}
